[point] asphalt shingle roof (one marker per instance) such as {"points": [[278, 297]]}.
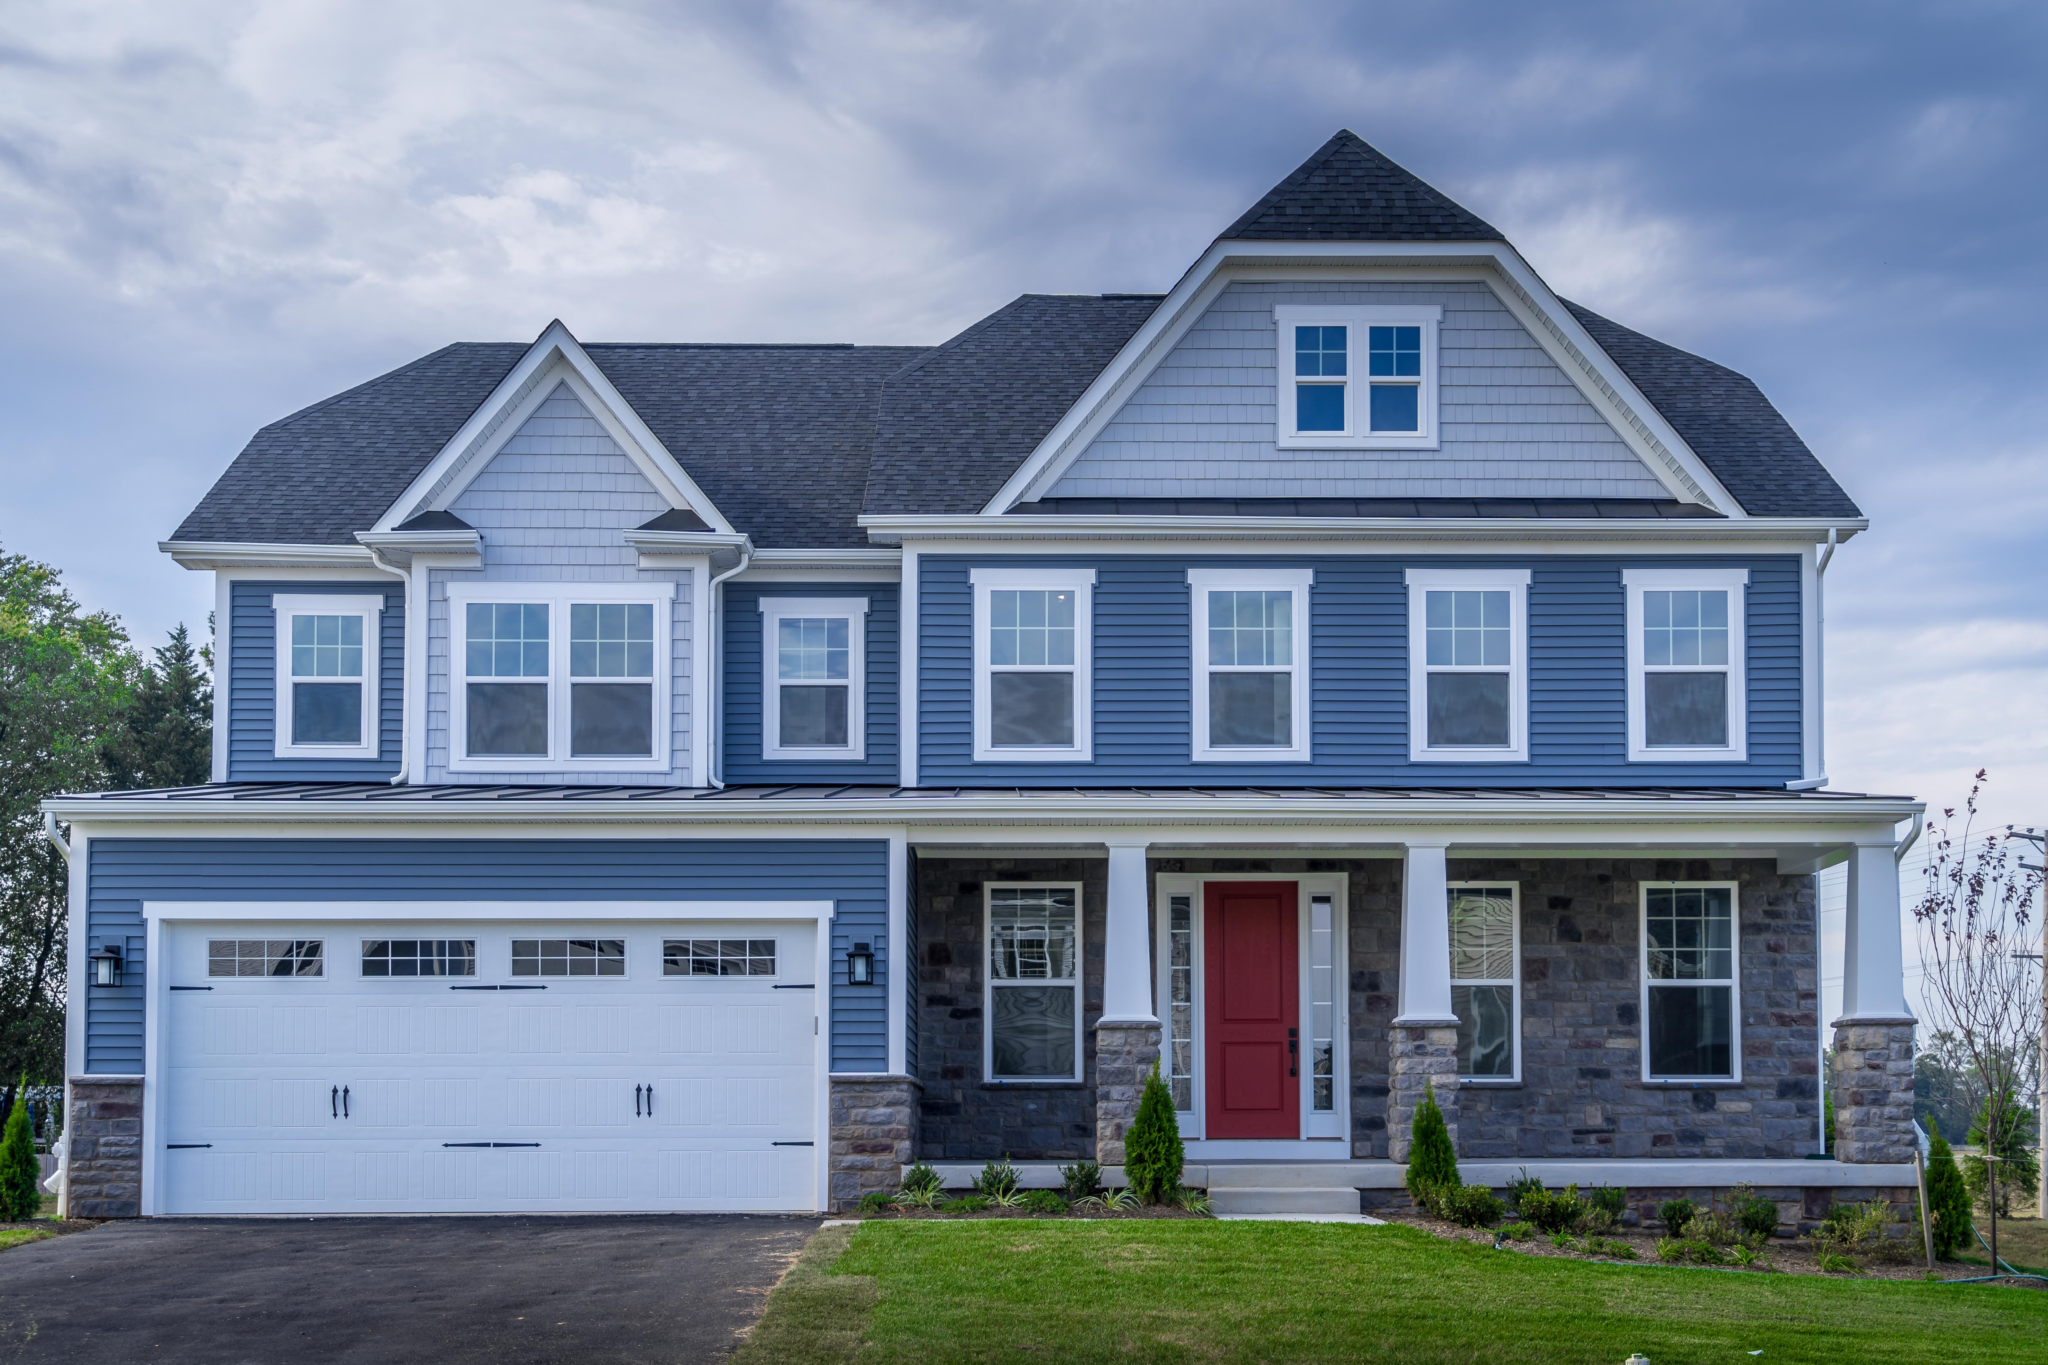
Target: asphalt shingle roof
{"points": [[1350, 192], [1728, 422]]}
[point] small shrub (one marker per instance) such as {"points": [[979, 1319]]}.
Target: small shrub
{"points": [[1602, 1246], [1081, 1179], [1469, 1206], [1705, 1252], [1746, 1255], [1676, 1213], [1710, 1226], [1608, 1200], [1194, 1201], [1670, 1249], [1836, 1262], [1152, 1150], [1518, 1232], [20, 1173], [1553, 1210], [1597, 1221], [1109, 1200], [873, 1202], [997, 1181], [1948, 1200], [1564, 1240], [1521, 1185], [920, 1177], [966, 1203], [923, 1197], [1432, 1160], [1752, 1213], [1044, 1201]]}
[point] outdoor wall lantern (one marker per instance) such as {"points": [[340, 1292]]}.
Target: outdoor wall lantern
{"points": [[106, 965], [860, 966]]}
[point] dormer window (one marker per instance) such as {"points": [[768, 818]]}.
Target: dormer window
{"points": [[1357, 376]]}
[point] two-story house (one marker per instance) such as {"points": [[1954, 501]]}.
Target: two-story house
{"points": [[711, 776]]}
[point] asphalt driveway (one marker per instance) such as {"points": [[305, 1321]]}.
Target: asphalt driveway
{"points": [[389, 1291]]}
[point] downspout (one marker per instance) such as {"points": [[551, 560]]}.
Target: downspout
{"points": [[56, 839], [714, 738], [406, 720], [59, 1182], [1820, 666]]}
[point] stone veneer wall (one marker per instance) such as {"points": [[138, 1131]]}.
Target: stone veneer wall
{"points": [[1582, 1093], [874, 1135], [103, 1133], [964, 1117], [1874, 1091]]}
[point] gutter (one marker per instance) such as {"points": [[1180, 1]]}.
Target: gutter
{"points": [[897, 530]]}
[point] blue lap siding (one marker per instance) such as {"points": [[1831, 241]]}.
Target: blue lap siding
{"points": [[743, 695], [852, 873], [252, 686], [1578, 684]]}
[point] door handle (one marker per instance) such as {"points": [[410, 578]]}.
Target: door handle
{"points": [[344, 1101], [334, 1101], [636, 1101], [650, 1101]]}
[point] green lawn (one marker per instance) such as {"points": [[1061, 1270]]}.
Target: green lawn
{"points": [[1272, 1292], [14, 1237]]}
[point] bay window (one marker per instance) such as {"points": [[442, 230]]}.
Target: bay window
{"points": [[1687, 698], [1034, 983], [1468, 665], [1251, 685], [1032, 656], [327, 675], [1690, 997], [1362, 376], [813, 677]]}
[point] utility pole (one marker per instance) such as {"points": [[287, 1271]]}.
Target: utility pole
{"points": [[2041, 1092]]}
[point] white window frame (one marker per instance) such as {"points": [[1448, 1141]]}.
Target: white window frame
{"points": [[1733, 981], [852, 610], [1052, 578], [989, 986], [559, 597], [370, 608], [1515, 942], [1735, 582], [1202, 582], [1357, 318], [1514, 582]]}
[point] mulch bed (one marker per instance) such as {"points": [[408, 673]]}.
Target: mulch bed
{"points": [[1784, 1255]]}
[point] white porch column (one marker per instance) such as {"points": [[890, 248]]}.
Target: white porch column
{"points": [[1425, 983], [1873, 949], [1127, 939], [1873, 1077]]}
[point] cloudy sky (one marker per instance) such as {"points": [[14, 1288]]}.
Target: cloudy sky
{"points": [[212, 214]]}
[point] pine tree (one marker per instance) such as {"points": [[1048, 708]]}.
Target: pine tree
{"points": [[166, 738], [20, 1174], [1948, 1201], [1432, 1160], [1152, 1150]]}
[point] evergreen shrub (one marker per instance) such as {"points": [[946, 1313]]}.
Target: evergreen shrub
{"points": [[1152, 1151], [1948, 1200], [21, 1197], [1432, 1160]]}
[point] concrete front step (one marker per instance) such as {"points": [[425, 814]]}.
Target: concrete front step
{"points": [[1269, 1175], [1284, 1199]]}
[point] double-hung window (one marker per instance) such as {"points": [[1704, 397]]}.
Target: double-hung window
{"points": [[1032, 648], [813, 677], [1034, 983], [560, 675], [1687, 701], [1251, 664], [1362, 376], [1690, 998], [1486, 979], [326, 675], [1468, 685]]}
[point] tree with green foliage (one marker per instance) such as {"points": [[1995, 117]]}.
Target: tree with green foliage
{"points": [[21, 1196], [66, 677], [1152, 1151], [2001, 1129], [1948, 1201], [1432, 1160], [165, 738]]}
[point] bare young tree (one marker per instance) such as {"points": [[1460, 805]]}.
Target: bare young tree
{"points": [[1977, 945]]}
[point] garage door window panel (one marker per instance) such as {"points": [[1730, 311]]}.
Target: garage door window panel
{"points": [[718, 957], [1034, 980], [301, 957], [414, 957], [568, 957]]}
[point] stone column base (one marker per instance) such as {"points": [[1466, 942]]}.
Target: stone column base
{"points": [[1874, 1090], [874, 1135], [1420, 1057], [1124, 1054], [103, 1133]]}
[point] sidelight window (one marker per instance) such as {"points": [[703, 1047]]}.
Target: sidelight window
{"points": [[1468, 667], [1251, 664], [327, 676], [1689, 983], [1687, 700], [1180, 999], [1032, 651], [1486, 980], [813, 678], [1034, 983]]}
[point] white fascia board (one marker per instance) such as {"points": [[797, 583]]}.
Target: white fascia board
{"points": [[1663, 451], [1211, 534], [222, 554], [375, 911], [554, 355], [453, 549]]}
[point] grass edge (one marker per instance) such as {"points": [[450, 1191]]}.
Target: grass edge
{"points": [[814, 1317]]}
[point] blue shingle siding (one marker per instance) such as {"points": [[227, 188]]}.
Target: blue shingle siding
{"points": [[742, 755], [853, 873], [252, 686], [1359, 679]]}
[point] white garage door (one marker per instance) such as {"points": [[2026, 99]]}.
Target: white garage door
{"points": [[414, 1067]]}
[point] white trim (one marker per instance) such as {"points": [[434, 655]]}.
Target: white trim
{"points": [[704, 656], [1356, 318], [1202, 582], [1051, 578], [1225, 535], [1496, 264], [1812, 670], [76, 909], [852, 610], [236, 554], [1514, 582], [989, 984], [223, 636], [155, 1005], [546, 912], [1515, 949], [559, 596], [1735, 583], [1733, 981], [896, 967], [907, 637], [370, 610]]}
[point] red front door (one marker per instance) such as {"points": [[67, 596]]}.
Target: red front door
{"points": [[1251, 944]]}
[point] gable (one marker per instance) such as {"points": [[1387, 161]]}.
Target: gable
{"points": [[1202, 424]]}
